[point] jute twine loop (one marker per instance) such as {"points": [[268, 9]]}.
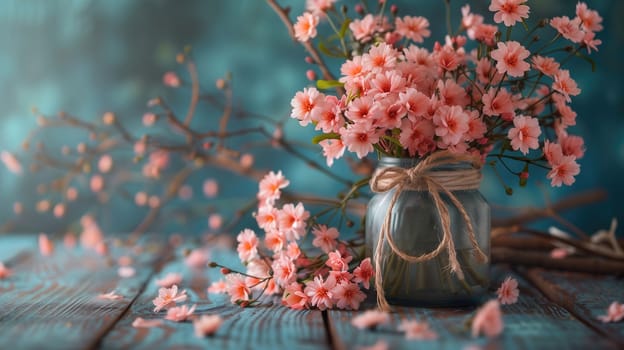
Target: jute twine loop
{"points": [[423, 177]]}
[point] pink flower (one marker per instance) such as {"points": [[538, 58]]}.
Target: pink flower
{"points": [[332, 149], [168, 297], [46, 246], [274, 240], [180, 313], [197, 258], [451, 124], [305, 27], [267, 217], [59, 210], [615, 313], [510, 58], [565, 85], [171, 79], [237, 287], [270, 187], [547, 65], [414, 28], [211, 188], [590, 19], [110, 296], [5, 272], [215, 221], [417, 330], [363, 29], [325, 238], [293, 251], [169, 280], [417, 136], [379, 345], [485, 33], [105, 164], [246, 160], [319, 7], [572, 145], [149, 119], [320, 292], [218, 287], [292, 221], [380, 58], [452, 93], [143, 323], [590, 41], [563, 171], [370, 319], [247, 245], [337, 262], [348, 295], [207, 325], [11, 162], [363, 273], [508, 291], [447, 58], [488, 320], [524, 135], [294, 297], [284, 271], [569, 29], [497, 102], [97, 183], [509, 11]]}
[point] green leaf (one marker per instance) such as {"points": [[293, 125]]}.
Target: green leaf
{"points": [[320, 137], [345, 26], [330, 51], [588, 59], [328, 84]]}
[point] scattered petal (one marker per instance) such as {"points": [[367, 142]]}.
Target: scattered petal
{"points": [[417, 330], [370, 319], [126, 271], [488, 320], [207, 325], [169, 280], [615, 313], [508, 291], [180, 313], [110, 296], [143, 323]]}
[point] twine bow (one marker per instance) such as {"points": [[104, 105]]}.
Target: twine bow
{"points": [[423, 177]]}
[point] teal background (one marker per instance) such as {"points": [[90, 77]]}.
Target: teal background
{"points": [[87, 57]]}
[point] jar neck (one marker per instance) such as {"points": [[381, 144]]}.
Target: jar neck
{"points": [[407, 163]]}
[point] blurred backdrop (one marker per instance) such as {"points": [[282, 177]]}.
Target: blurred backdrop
{"points": [[88, 57]]}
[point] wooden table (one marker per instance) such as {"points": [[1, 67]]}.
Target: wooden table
{"points": [[51, 303]]}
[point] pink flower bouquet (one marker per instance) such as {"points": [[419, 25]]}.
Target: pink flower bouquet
{"points": [[487, 90]]}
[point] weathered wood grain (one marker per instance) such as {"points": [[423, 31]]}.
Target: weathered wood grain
{"points": [[585, 296], [261, 327], [533, 322], [52, 303]]}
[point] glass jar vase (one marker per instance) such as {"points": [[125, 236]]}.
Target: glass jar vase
{"points": [[416, 228]]}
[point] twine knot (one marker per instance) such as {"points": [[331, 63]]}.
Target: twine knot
{"points": [[424, 177]]}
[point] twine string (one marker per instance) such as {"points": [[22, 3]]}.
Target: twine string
{"points": [[423, 177]]}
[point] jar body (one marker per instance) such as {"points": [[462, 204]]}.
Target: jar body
{"points": [[416, 229]]}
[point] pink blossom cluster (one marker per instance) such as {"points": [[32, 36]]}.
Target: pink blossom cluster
{"points": [[277, 264], [402, 99]]}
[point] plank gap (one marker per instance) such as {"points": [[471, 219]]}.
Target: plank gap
{"points": [[158, 265]]}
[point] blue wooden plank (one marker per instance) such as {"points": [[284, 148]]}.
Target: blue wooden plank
{"points": [[52, 302], [262, 327], [533, 322], [585, 296]]}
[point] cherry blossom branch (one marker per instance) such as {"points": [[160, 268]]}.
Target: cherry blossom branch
{"points": [[283, 12]]}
